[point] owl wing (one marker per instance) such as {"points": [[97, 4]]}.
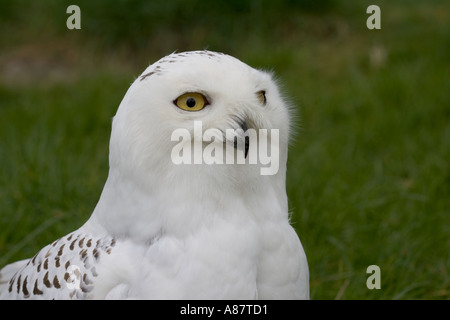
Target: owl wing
{"points": [[65, 269]]}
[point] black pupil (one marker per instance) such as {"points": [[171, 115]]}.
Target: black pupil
{"points": [[190, 102]]}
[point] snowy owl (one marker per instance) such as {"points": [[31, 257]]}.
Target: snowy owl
{"points": [[178, 218]]}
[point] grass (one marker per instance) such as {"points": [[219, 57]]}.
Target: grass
{"points": [[369, 176]]}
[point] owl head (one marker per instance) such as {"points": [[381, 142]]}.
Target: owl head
{"points": [[203, 95]]}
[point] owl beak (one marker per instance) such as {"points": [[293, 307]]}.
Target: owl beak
{"points": [[244, 128], [247, 139]]}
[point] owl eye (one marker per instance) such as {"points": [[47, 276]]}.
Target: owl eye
{"points": [[191, 101], [262, 97]]}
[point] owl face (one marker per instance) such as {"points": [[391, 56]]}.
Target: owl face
{"points": [[183, 90]]}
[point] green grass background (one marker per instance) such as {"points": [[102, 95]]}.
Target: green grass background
{"points": [[368, 171]]}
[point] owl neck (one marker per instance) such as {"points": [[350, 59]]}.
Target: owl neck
{"points": [[181, 200]]}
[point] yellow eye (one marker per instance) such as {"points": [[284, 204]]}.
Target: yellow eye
{"points": [[191, 101], [262, 97]]}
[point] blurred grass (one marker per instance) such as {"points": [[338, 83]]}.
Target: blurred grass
{"points": [[369, 178]]}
